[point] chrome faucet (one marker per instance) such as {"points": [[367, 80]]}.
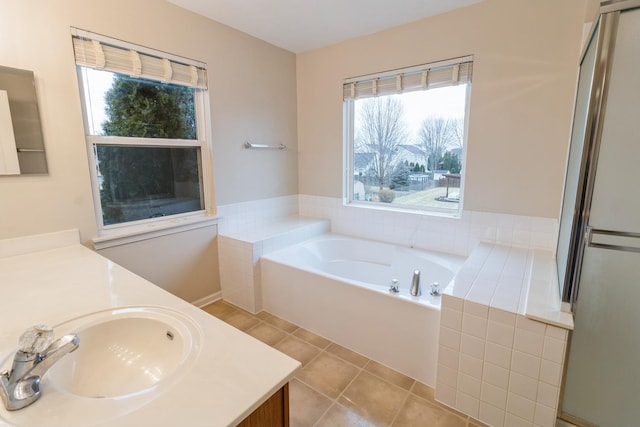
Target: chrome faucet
{"points": [[415, 284], [37, 352]]}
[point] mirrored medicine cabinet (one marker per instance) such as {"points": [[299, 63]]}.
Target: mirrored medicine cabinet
{"points": [[21, 140]]}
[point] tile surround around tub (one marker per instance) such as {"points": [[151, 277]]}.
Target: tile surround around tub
{"points": [[240, 252], [509, 377], [453, 235], [252, 215], [458, 236], [494, 363]]}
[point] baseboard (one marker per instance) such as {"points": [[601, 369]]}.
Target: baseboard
{"points": [[566, 420], [208, 299], [563, 423]]}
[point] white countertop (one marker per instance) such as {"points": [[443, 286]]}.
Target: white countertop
{"points": [[53, 278], [517, 280]]}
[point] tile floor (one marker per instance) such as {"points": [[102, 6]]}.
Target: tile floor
{"points": [[337, 387]]}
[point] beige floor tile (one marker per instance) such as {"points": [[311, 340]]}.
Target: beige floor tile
{"points": [[220, 309], [394, 377], [328, 374], [357, 391], [423, 391], [279, 323], [339, 416], [263, 315], [266, 333], [241, 320], [348, 355], [312, 338], [298, 349], [373, 398], [306, 405], [419, 412]]}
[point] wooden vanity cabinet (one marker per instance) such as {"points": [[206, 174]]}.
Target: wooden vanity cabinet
{"points": [[272, 413]]}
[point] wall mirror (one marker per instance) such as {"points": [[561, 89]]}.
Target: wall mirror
{"points": [[21, 141]]}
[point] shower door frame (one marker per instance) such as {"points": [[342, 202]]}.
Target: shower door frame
{"points": [[603, 32]]}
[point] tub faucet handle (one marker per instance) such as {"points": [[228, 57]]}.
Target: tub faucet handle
{"points": [[435, 289], [394, 286]]}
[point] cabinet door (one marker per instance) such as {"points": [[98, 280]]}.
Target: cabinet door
{"points": [[273, 413]]}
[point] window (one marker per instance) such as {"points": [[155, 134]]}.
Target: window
{"points": [[145, 131], [405, 137]]}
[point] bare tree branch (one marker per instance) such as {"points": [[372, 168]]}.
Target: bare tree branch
{"points": [[380, 130], [437, 135]]}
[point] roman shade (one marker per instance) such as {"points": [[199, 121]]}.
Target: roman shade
{"points": [[103, 53], [421, 77]]}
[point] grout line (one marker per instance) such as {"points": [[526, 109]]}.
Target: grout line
{"points": [[325, 412], [335, 401], [404, 402]]}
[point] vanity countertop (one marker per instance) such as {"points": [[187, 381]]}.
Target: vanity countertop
{"points": [[51, 278]]}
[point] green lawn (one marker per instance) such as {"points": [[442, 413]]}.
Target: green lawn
{"points": [[427, 198]]}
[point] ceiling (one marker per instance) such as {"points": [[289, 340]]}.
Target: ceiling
{"points": [[302, 25]]}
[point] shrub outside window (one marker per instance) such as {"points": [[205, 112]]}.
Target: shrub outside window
{"points": [[405, 137], [144, 131]]}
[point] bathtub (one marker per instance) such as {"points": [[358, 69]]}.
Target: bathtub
{"points": [[338, 287]]}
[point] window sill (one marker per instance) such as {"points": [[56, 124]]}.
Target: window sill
{"points": [[399, 209], [136, 233]]}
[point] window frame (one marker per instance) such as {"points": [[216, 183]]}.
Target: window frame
{"points": [[202, 143], [349, 146]]}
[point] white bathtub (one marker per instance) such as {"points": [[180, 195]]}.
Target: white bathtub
{"points": [[338, 287]]}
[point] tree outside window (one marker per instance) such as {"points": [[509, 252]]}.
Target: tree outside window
{"points": [[407, 150]]}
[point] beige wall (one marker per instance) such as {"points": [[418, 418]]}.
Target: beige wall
{"points": [[185, 263], [591, 10], [252, 97], [525, 69], [252, 94]]}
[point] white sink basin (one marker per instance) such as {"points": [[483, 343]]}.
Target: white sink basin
{"points": [[126, 358], [124, 351]]}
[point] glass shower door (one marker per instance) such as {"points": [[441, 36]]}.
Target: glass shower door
{"points": [[569, 222], [603, 374], [602, 384]]}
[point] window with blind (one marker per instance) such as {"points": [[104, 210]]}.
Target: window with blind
{"points": [[405, 134], [145, 130]]}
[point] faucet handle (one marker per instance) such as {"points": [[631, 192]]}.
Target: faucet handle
{"points": [[36, 339], [435, 289]]}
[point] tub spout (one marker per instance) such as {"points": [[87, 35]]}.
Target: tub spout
{"points": [[415, 284]]}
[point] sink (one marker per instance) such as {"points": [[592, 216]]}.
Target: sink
{"points": [[124, 351], [127, 357]]}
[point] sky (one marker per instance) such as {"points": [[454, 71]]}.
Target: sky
{"points": [[96, 83], [447, 102]]}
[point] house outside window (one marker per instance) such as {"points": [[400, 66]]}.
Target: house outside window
{"points": [[145, 130], [405, 133]]}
